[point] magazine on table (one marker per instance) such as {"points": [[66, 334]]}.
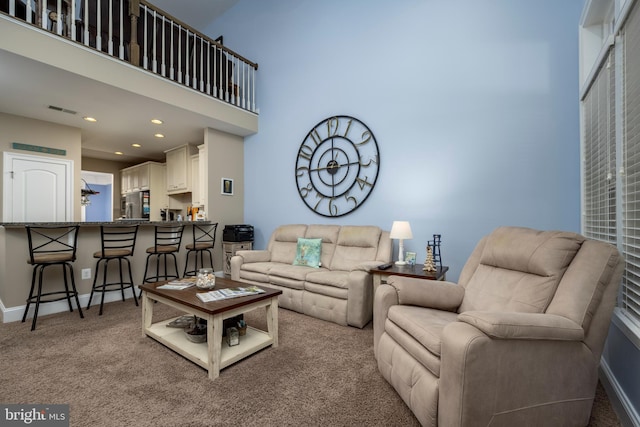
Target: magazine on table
{"points": [[222, 294], [179, 284]]}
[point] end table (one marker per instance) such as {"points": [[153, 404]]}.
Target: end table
{"points": [[415, 271]]}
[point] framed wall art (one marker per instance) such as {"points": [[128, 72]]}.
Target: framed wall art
{"points": [[227, 186]]}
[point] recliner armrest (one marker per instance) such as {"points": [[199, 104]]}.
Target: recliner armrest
{"points": [[427, 293], [254, 255], [530, 326]]}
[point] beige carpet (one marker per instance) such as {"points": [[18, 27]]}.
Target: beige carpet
{"points": [[321, 374]]}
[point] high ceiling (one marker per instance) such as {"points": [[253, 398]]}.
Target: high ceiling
{"points": [[196, 13], [29, 87]]}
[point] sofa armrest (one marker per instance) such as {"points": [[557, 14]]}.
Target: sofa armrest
{"points": [[254, 256], [502, 381], [385, 297], [427, 293], [530, 326], [247, 256], [367, 265]]}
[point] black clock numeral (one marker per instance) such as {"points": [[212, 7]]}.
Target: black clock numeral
{"points": [[315, 136], [363, 182], [366, 137], [346, 131], [349, 198], [304, 191], [373, 159], [333, 209], [332, 126], [305, 152]]}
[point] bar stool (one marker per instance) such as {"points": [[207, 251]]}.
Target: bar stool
{"points": [[118, 243], [50, 246], [204, 238], [167, 242]]}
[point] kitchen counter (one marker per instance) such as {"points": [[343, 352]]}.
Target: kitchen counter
{"points": [[15, 272]]}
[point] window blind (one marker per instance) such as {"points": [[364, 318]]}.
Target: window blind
{"points": [[630, 294], [599, 152]]}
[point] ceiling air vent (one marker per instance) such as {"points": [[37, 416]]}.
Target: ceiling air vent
{"points": [[64, 110]]}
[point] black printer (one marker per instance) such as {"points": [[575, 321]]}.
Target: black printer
{"points": [[238, 233]]}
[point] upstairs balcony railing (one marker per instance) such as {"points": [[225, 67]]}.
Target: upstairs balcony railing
{"points": [[143, 35]]}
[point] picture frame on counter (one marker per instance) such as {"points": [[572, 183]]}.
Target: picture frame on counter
{"points": [[226, 187]]}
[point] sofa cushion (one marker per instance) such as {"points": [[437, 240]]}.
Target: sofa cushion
{"points": [[544, 253], [330, 291], [308, 252], [329, 236], [333, 278], [256, 271], [292, 276], [355, 245], [284, 241], [519, 270], [419, 331]]}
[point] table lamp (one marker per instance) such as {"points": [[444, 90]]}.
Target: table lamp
{"points": [[401, 230]]}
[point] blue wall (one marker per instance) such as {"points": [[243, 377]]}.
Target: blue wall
{"points": [[474, 105], [100, 208]]}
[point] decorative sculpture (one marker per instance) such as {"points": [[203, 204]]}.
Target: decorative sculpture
{"points": [[428, 263]]}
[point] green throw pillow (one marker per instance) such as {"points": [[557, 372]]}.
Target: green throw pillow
{"points": [[308, 252]]}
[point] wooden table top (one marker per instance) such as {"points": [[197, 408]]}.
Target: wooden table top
{"points": [[412, 271], [188, 296]]}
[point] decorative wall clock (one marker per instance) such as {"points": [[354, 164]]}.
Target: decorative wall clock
{"points": [[337, 166]]}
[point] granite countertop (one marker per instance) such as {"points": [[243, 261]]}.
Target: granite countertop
{"points": [[95, 224]]}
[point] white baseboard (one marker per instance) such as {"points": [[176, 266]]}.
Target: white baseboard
{"points": [[14, 314], [619, 400]]}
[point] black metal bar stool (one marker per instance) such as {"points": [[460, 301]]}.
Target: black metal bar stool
{"points": [[118, 243], [167, 242], [204, 238], [51, 246]]}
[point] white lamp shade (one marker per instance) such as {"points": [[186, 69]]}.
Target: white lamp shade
{"points": [[401, 230]]}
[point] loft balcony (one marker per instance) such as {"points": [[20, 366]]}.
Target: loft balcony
{"points": [[128, 47]]}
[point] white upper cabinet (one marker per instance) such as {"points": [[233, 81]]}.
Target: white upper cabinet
{"points": [[179, 169]]}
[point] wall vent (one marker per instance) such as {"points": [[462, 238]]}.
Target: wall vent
{"points": [[64, 110]]}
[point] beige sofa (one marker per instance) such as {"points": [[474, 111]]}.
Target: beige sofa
{"points": [[516, 343], [340, 290]]}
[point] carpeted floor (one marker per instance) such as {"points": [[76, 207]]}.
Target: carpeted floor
{"points": [[321, 374]]}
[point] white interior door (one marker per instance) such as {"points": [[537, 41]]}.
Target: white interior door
{"points": [[37, 189]]}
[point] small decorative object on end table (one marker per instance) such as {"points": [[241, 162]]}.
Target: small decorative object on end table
{"points": [[428, 263]]}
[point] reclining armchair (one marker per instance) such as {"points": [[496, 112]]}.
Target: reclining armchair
{"points": [[516, 342]]}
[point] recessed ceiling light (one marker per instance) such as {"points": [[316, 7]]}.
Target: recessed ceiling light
{"points": [[90, 119], [156, 121], [119, 153], [159, 135], [136, 145]]}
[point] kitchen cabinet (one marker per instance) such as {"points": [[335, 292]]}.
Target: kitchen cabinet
{"points": [[196, 194], [135, 178], [149, 176], [179, 169], [203, 173]]}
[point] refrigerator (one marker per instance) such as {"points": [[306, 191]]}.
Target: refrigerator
{"points": [[136, 205]]}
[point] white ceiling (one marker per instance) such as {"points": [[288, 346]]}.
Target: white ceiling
{"points": [[40, 86]]}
